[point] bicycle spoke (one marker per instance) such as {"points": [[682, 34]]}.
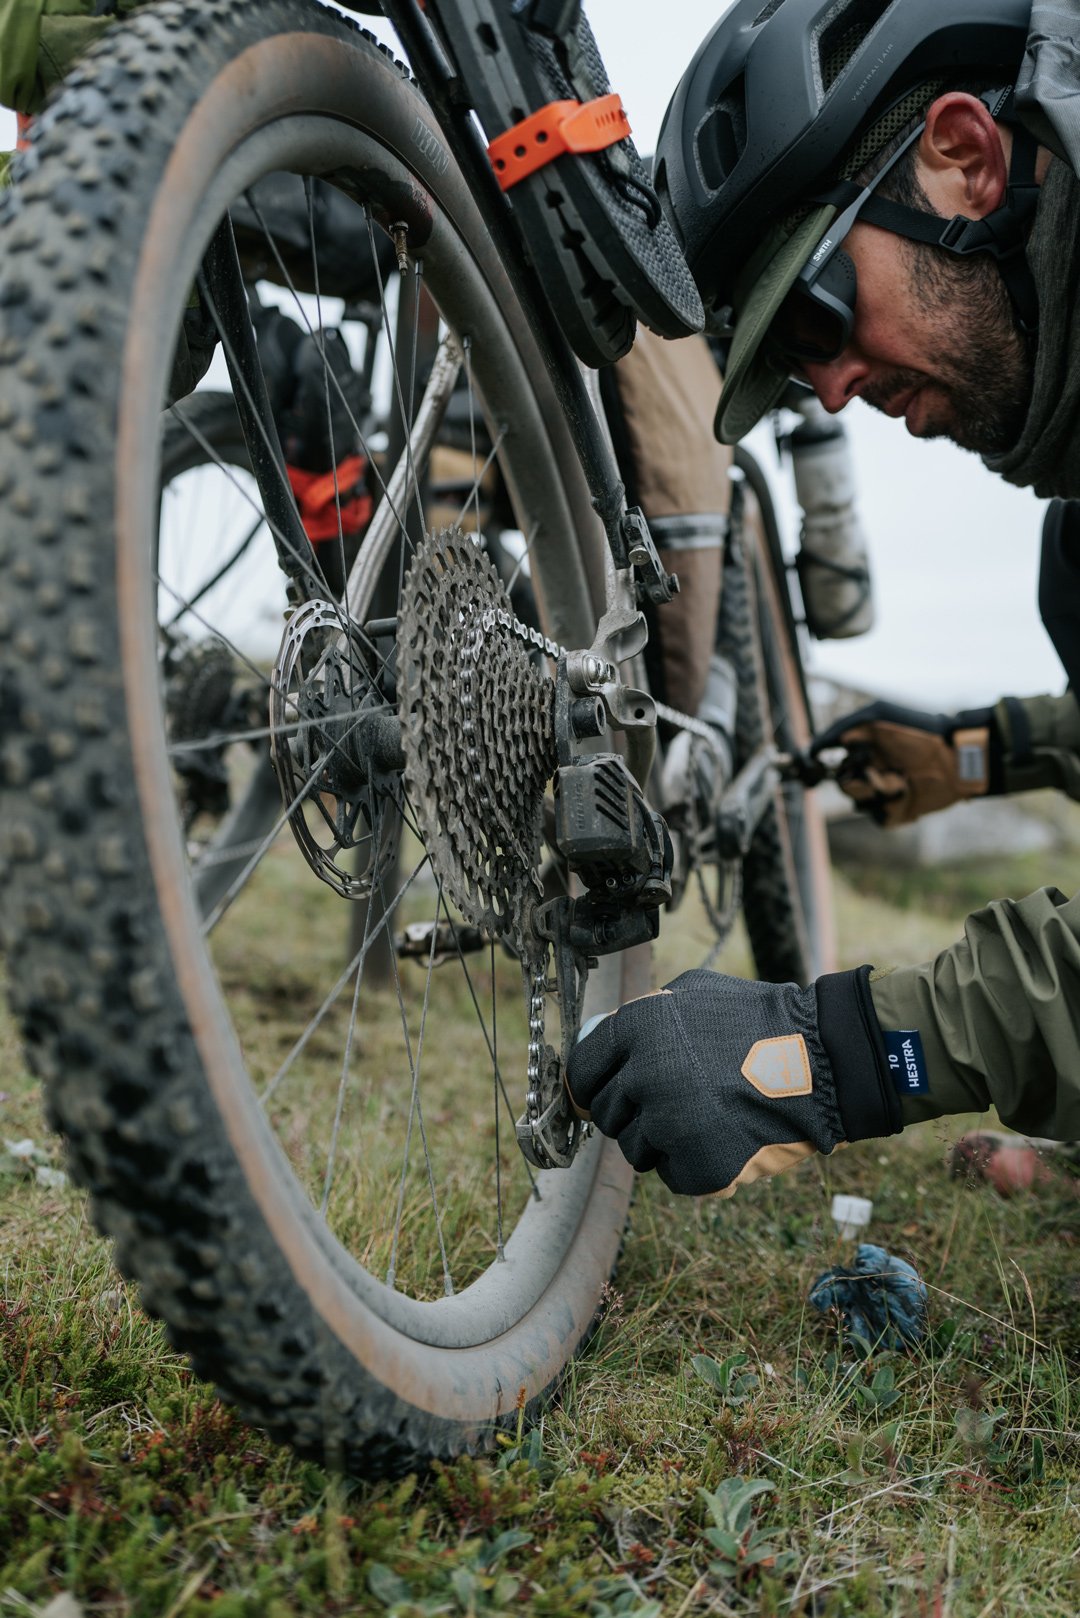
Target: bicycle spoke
{"points": [[448, 1285], [241, 657], [331, 998], [490, 1044], [500, 1248], [216, 578], [310, 195], [524, 557], [211, 921], [339, 390], [413, 1101], [474, 492], [308, 562], [405, 420], [433, 405]]}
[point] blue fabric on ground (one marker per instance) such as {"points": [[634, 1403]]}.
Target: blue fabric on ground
{"points": [[882, 1298]]}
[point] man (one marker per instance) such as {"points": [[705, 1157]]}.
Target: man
{"points": [[882, 201]]}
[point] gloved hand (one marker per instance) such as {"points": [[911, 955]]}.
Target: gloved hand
{"points": [[902, 763], [716, 1081]]}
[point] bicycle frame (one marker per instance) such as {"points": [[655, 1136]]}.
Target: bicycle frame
{"points": [[621, 633]]}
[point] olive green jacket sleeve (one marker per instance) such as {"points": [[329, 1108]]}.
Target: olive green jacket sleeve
{"points": [[41, 40], [1040, 738], [999, 1016]]}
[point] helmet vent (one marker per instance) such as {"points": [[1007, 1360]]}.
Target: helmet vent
{"points": [[721, 138], [769, 9], [840, 39], [888, 126]]}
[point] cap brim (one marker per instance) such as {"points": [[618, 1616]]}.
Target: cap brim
{"points": [[752, 384]]}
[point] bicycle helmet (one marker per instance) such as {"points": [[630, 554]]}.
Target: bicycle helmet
{"points": [[784, 102]]}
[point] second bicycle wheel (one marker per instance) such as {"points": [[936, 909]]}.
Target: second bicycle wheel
{"points": [[300, 1133], [786, 887]]}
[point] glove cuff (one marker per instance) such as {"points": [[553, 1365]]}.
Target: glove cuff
{"points": [[853, 1041]]}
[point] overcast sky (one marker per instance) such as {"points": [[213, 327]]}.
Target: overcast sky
{"points": [[954, 550]]}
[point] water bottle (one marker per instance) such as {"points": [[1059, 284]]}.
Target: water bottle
{"points": [[832, 564]]}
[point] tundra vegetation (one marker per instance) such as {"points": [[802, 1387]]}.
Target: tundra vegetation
{"points": [[719, 1449]]}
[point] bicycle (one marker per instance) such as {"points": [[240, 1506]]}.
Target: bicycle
{"points": [[413, 721]]}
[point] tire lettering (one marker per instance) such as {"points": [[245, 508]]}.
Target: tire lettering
{"points": [[429, 146]]}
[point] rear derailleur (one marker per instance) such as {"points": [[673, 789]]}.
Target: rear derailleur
{"points": [[619, 850]]}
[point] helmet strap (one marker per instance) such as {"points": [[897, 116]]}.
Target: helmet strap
{"points": [[1003, 234]]}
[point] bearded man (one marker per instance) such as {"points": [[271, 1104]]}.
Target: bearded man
{"points": [[881, 201]]}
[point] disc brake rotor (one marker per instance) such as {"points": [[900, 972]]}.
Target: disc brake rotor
{"points": [[333, 739], [477, 733]]}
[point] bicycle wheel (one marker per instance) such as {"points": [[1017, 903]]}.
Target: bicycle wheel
{"points": [[786, 890], [229, 794], [330, 1213]]}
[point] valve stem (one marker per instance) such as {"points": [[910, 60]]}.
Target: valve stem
{"points": [[400, 232]]}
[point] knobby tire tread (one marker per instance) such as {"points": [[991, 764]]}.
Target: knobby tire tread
{"points": [[777, 921], [92, 982]]}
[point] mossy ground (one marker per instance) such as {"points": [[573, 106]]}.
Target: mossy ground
{"points": [[942, 1484]]}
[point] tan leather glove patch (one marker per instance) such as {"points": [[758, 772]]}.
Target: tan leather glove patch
{"points": [[905, 773], [779, 1067]]}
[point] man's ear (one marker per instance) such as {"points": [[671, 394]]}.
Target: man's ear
{"points": [[961, 157]]}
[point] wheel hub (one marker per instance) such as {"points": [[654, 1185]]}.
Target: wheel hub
{"points": [[336, 749]]}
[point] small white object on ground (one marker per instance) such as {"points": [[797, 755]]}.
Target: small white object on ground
{"points": [[850, 1214]]}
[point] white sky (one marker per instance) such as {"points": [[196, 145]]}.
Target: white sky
{"points": [[954, 551]]}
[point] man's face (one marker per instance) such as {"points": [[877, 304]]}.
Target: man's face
{"points": [[934, 341]]}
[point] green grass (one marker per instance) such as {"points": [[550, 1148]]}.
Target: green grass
{"points": [[941, 1484]]}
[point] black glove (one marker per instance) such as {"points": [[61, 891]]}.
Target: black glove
{"points": [[716, 1081], [902, 764]]}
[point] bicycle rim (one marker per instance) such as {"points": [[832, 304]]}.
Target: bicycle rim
{"points": [[272, 1272]]}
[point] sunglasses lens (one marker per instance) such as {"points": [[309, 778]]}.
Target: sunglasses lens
{"points": [[814, 321], [804, 329]]}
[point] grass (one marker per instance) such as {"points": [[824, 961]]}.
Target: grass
{"points": [[940, 1484]]}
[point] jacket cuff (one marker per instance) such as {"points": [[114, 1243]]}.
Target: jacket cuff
{"points": [[853, 1041]]}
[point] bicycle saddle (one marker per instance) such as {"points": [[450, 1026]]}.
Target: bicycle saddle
{"points": [[590, 219]]}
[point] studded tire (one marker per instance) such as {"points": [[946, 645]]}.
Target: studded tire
{"points": [[786, 887], [117, 1002]]}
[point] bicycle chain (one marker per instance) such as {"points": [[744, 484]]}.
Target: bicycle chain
{"points": [[477, 729]]}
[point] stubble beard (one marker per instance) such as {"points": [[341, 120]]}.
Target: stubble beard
{"points": [[985, 365]]}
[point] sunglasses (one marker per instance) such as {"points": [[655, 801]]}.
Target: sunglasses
{"points": [[815, 321]]}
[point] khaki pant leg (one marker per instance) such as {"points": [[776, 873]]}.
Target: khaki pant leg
{"points": [[668, 393]]}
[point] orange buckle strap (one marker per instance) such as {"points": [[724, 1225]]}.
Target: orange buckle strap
{"points": [[22, 127], [324, 497], [558, 128]]}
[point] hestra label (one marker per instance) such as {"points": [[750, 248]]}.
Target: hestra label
{"points": [[907, 1064]]}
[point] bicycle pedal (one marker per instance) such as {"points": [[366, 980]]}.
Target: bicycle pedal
{"points": [[590, 218]]}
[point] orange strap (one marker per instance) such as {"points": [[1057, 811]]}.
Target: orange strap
{"points": [[319, 494], [22, 126], [558, 128]]}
